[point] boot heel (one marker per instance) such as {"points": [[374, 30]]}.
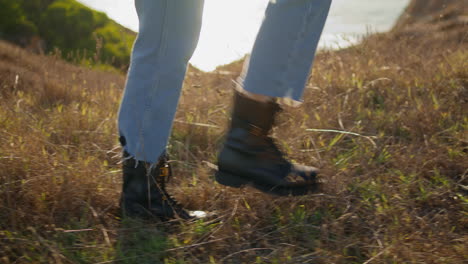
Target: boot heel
{"points": [[230, 180]]}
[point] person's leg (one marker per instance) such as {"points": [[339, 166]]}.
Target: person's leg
{"points": [[166, 40], [285, 48], [167, 37], [278, 68]]}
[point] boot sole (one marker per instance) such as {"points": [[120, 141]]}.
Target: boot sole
{"points": [[236, 181]]}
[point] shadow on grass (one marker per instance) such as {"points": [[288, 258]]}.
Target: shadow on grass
{"points": [[141, 242]]}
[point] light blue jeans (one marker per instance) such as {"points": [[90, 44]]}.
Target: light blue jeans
{"points": [[279, 64]]}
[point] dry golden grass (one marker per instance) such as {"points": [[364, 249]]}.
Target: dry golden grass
{"points": [[396, 189]]}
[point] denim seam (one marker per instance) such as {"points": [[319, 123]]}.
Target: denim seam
{"points": [[161, 50], [293, 53]]}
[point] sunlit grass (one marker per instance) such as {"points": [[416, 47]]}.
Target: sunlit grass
{"points": [[385, 121]]}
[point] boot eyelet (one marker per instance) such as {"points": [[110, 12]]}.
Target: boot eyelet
{"points": [[164, 171]]}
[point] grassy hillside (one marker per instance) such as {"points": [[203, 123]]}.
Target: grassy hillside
{"points": [[79, 33], [396, 191], [445, 19]]}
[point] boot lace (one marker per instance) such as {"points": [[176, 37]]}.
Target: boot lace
{"points": [[162, 174], [273, 153]]}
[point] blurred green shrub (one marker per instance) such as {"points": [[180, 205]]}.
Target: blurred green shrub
{"points": [[68, 25], [13, 22]]}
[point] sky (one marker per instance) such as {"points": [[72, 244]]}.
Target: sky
{"points": [[230, 26]]}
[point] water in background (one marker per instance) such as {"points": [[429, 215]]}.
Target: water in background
{"points": [[350, 19], [229, 27]]}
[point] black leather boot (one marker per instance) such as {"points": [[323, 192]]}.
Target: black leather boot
{"points": [[250, 157], [144, 192]]}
